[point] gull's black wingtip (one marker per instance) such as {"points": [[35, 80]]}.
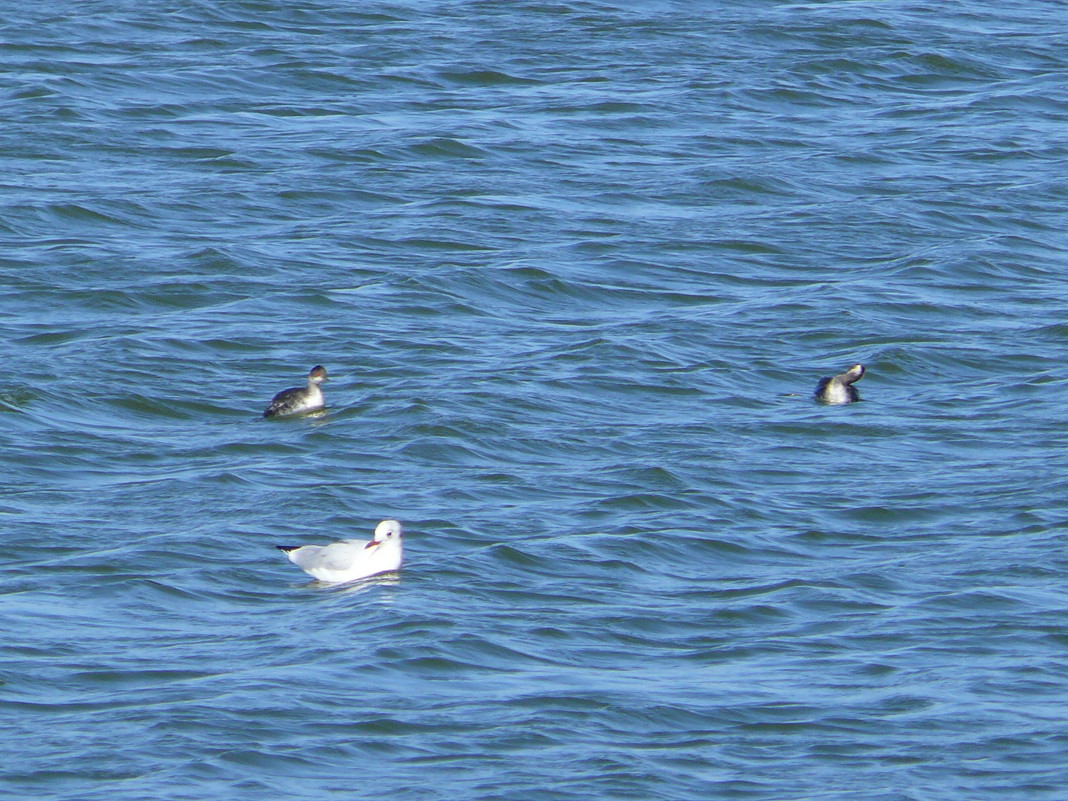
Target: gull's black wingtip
{"points": [[287, 548]]}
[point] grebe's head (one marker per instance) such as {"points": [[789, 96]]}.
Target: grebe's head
{"points": [[854, 373], [317, 374]]}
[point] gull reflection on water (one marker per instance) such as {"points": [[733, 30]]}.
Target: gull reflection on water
{"points": [[391, 579]]}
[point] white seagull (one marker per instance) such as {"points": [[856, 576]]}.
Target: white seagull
{"points": [[350, 560]]}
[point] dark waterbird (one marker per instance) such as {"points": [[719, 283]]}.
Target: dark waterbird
{"points": [[839, 388], [298, 400]]}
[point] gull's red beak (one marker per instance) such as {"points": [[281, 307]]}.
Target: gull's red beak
{"points": [[371, 544]]}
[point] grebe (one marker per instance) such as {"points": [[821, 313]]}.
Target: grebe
{"points": [[297, 400], [840, 389]]}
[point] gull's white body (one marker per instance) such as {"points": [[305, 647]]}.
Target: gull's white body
{"points": [[350, 560]]}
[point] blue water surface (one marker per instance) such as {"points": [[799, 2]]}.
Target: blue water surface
{"points": [[575, 269]]}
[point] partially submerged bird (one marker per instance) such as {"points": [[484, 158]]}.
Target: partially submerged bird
{"points": [[297, 400], [350, 560], [839, 388]]}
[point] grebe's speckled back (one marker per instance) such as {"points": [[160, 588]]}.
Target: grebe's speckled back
{"points": [[839, 388], [298, 400]]}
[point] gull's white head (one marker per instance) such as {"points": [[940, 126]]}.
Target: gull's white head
{"points": [[388, 530]]}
